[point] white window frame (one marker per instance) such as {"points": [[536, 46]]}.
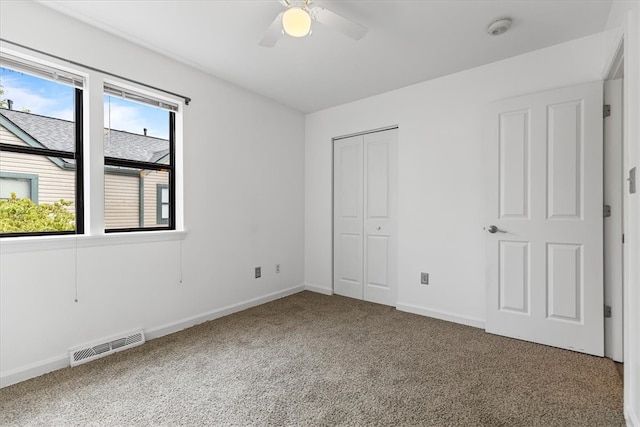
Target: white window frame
{"points": [[93, 114]]}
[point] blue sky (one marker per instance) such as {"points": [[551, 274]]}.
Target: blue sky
{"points": [[48, 98]]}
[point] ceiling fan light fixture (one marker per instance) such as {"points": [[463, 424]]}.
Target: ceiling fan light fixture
{"points": [[296, 22]]}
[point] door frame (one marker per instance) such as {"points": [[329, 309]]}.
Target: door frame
{"points": [[615, 179], [333, 166], [615, 62]]}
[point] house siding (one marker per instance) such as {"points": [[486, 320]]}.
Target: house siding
{"points": [[151, 181], [7, 137], [54, 183], [121, 201], [122, 192]]}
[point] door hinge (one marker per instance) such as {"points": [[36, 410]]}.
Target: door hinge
{"points": [[623, 239], [607, 311], [606, 110], [607, 211]]}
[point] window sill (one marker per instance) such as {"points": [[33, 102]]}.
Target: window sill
{"points": [[47, 243]]}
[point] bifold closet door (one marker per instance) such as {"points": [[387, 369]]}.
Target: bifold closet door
{"points": [[348, 219], [365, 211]]}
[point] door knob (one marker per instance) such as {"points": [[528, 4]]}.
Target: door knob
{"points": [[493, 229]]}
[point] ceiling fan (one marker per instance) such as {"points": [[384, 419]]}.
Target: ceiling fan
{"points": [[297, 18]]}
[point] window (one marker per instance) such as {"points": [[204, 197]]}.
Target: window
{"points": [[139, 161], [41, 172], [41, 150], [162, 204], [20, 185]]}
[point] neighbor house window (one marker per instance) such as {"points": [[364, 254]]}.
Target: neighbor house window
{"points": [[41, 173], [139, 160], [162, 204], [18, 185]]}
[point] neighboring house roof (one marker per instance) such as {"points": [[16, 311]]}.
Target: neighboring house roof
{"points": [[58, 134]]}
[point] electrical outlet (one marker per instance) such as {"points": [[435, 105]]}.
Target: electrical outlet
{"points": [[258, 272], [424, 278], [277, 268]]}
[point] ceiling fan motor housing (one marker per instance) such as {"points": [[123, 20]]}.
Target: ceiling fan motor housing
{"points": [[296, 21]]}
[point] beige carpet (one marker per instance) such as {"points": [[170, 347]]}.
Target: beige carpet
{"points": [[311, 359]]}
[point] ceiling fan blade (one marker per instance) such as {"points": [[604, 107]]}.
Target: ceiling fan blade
{"points": [[273, 33], [340, 23]]}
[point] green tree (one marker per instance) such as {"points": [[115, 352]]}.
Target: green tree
{"points": [[23, 215], [3, 101], [5, 104]]}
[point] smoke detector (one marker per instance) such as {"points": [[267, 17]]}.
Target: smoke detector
{"points": [[499, 27]]}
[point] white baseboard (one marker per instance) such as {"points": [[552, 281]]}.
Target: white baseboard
{"points": [[318, 289], [179, 325], [34, 370], [632, 418], [59, 362], [442, 315]]}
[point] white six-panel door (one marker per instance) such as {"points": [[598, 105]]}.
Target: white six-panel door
{"points": [[365, 204], [544, 200]]}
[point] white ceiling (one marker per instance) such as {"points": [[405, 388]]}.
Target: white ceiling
{"points": [[408, 41]]}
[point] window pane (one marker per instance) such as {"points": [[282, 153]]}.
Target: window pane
{"points": [[21, 188], [36, 112], [135, 131], [131, 197], [50, 204], [165, 195], [165, 211]]}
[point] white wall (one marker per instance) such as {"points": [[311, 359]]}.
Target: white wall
{"points": [[243, 204], [440, 173]]}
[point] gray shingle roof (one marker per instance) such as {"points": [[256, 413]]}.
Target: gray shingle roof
{"points": [[58, 134]]}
